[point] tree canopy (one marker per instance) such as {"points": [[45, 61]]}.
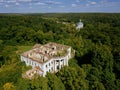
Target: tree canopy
{"points": [[95, 66]]}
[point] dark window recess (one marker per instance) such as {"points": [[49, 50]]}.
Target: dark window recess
{"points": [[52, 62], [52, 68], [57, 60], [62, 60], [43, 59], [53, 48], [58, 68], [45, 51]]}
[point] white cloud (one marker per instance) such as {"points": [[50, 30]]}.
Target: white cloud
{"points": [[30, 4], [17, 3], [77, 1], [24, 0], [93, 3], [110, 4], [6, 6], [11, 1], [40, 3], [1, 1], [103, 1], [87, 5], [74, 5], [60, 4], [52, 2]]}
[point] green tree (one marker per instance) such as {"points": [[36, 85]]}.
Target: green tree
{"points": [[73, 78], [9, 86], [54, 82], [39, 83], [102, 57]]}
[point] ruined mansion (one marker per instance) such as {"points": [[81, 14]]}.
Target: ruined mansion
{"points": [[50, 57]]}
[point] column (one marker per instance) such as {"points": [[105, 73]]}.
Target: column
{"points": [[59, 64], [64, 62], [67, 60], [44, 70], [54, 65]]}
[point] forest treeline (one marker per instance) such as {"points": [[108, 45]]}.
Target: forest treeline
{"points": [[96, 65]]}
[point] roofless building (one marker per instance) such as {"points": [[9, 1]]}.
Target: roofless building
{"points": [[50, 57]]}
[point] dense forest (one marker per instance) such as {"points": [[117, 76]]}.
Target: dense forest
{"points": [[96, 65]]}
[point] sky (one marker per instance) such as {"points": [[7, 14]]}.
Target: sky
{"points": [[56, 6]]}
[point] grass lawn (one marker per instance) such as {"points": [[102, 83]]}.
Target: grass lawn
{"points": [[22, 49]]}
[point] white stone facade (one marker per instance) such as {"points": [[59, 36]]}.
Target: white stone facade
{"points": [[50, 57]]}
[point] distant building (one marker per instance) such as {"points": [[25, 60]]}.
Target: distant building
{"points": [[79, 25], [50, 57]]}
